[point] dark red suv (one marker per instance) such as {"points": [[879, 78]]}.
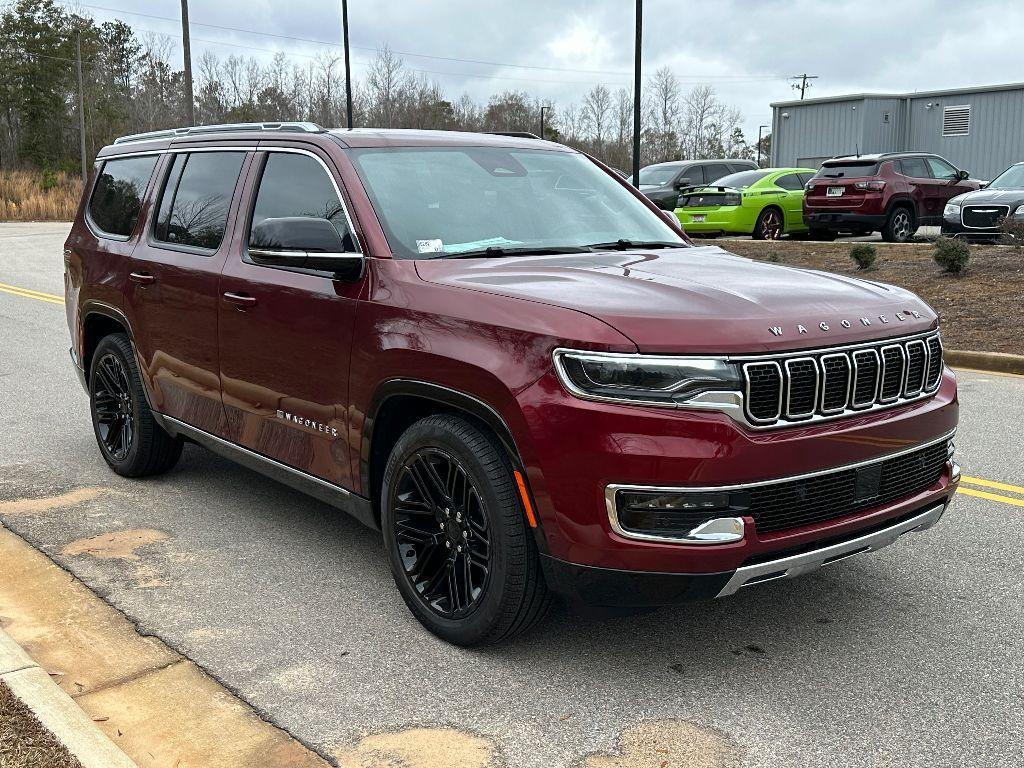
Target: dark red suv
{"points": [[892, 193], [501, 355]]}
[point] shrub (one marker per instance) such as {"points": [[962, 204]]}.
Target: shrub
{"points": [[952, 254], [863, 254], [1013, 231]]}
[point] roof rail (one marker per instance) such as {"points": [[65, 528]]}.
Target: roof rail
{"points": [[514, 134], [224, 128]]}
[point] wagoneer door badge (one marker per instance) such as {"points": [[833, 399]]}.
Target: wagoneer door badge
{"points": [[776, 330], [310, 423]]}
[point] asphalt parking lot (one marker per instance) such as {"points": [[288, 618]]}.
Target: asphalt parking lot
{"points": [[909, 657]]}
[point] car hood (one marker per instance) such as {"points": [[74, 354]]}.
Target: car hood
{"points": [[990, 197], [697, 300]]}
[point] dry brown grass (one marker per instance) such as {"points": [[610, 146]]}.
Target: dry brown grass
{"points": [[35, 196], [24, 742]]}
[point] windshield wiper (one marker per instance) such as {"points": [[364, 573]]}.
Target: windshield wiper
{"points": [[623, 244], [497, 251]]}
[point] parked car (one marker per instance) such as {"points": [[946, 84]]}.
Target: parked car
{"points": [[979, 215], [892, 193], [767, 204], [663, 182], [504, 358]]}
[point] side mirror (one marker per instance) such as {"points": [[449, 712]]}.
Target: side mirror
{"points": [[963, 175], [681, 184], [305, 242], [672, 220]]}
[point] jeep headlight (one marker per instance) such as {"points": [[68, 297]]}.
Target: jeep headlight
{"points": [[644, 378], [952, 210]]}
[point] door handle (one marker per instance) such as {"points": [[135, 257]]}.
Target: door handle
{"points": [[240, 300], [142, 278]]}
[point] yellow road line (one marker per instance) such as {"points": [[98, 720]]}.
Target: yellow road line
{"points": [[28, 293], [990, 496], [992, 484]]}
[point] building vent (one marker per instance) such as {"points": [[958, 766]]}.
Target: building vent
{"points": [[956, 121]]}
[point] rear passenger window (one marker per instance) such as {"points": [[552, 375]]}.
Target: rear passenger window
{"points": [[915, 167], [790, 181], [197, 195], [298, 185], [117, 198], [693, 175]]}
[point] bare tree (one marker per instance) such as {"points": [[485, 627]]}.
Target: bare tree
{"points": [[597, 108]]}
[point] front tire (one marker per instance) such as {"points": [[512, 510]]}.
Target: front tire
{"points": [[130, 440], [769, 225], [459, 549]]}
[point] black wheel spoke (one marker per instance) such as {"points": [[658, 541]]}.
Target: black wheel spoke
{"points": [[441, 531], [113, 406]]}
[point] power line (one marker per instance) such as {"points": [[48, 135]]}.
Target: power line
{"points": [[803, 85], [332, 44]]}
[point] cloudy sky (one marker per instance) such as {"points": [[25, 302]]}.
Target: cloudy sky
{"points": [[558, 49]]}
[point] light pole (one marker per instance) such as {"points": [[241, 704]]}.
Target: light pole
{"points": [[190, 109], [348, 66], [542, 119], [759, 129], [636, 92]]}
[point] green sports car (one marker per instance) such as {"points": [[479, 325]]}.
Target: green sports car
{"points": [[766, 203]]}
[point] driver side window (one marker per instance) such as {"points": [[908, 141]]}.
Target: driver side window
{"points": [[298, 185], [941, 169]]}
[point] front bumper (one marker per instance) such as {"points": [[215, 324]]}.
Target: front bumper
{"points": [[843, 221], [79, 370], [955, 228], [609, 588]]}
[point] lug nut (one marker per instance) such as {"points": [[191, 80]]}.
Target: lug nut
{"points": [[448, 544]]}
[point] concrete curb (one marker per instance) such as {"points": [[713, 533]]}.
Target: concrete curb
{"points": [[57, 711], [996, 362]]}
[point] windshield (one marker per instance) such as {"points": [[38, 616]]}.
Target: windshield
{"points": [[657, 175], [848, 170], [740, 180], [1011, 178], [437, 202]]}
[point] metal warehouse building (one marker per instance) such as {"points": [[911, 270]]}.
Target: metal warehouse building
{"points": [[977, 129]]}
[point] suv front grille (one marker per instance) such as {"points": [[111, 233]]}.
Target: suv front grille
{"points": [[819, 498], [828, 383], [984, 216]]}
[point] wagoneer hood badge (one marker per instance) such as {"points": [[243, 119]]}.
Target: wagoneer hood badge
{"points": [[697, 300]]}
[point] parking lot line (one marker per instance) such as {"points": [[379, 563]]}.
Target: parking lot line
{"points": [[992, 484], [27, 293], [990, 496]]}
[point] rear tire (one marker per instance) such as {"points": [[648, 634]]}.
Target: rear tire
{"points": [[129, 438], [770, 224], [457, 542], [900, 226]]}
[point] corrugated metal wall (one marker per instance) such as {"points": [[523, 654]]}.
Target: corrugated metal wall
{"points": [[996, 139], [819, 130]]}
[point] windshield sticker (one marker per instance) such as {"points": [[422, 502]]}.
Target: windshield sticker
{"points": [[429, 246]]}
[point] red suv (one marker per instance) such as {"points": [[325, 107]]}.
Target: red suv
{"points": [[891, 193], [502, 356]]}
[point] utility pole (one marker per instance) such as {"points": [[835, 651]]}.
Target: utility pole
{"points": [[759, 129], [636, 92], [542, 120], [803, 85], [348, 67], [190, 110], [81, 105]]}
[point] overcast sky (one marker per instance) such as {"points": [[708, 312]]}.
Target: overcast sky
{"points": [[558, 49]]}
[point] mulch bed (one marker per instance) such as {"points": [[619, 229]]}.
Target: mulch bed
{"points": [[981, 309], [24, 742]]}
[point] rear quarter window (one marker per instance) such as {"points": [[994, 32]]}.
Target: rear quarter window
{"points": [[117, 197]]}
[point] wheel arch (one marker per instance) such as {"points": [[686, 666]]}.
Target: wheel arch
{"points": [[903, 201], [399, 403], [98, 321]]}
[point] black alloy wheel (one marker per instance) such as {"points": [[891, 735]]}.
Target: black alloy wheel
{"points": [[442, 533], [113, 407], [129, 437], [463, 557]]}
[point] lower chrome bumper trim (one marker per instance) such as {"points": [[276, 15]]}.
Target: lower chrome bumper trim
{"points": [[797, 565]]}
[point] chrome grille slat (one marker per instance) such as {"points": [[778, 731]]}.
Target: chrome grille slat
{"points": [[828, 383]]}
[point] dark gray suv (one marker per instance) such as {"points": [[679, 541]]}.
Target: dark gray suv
{"points": [[663, 182]]}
